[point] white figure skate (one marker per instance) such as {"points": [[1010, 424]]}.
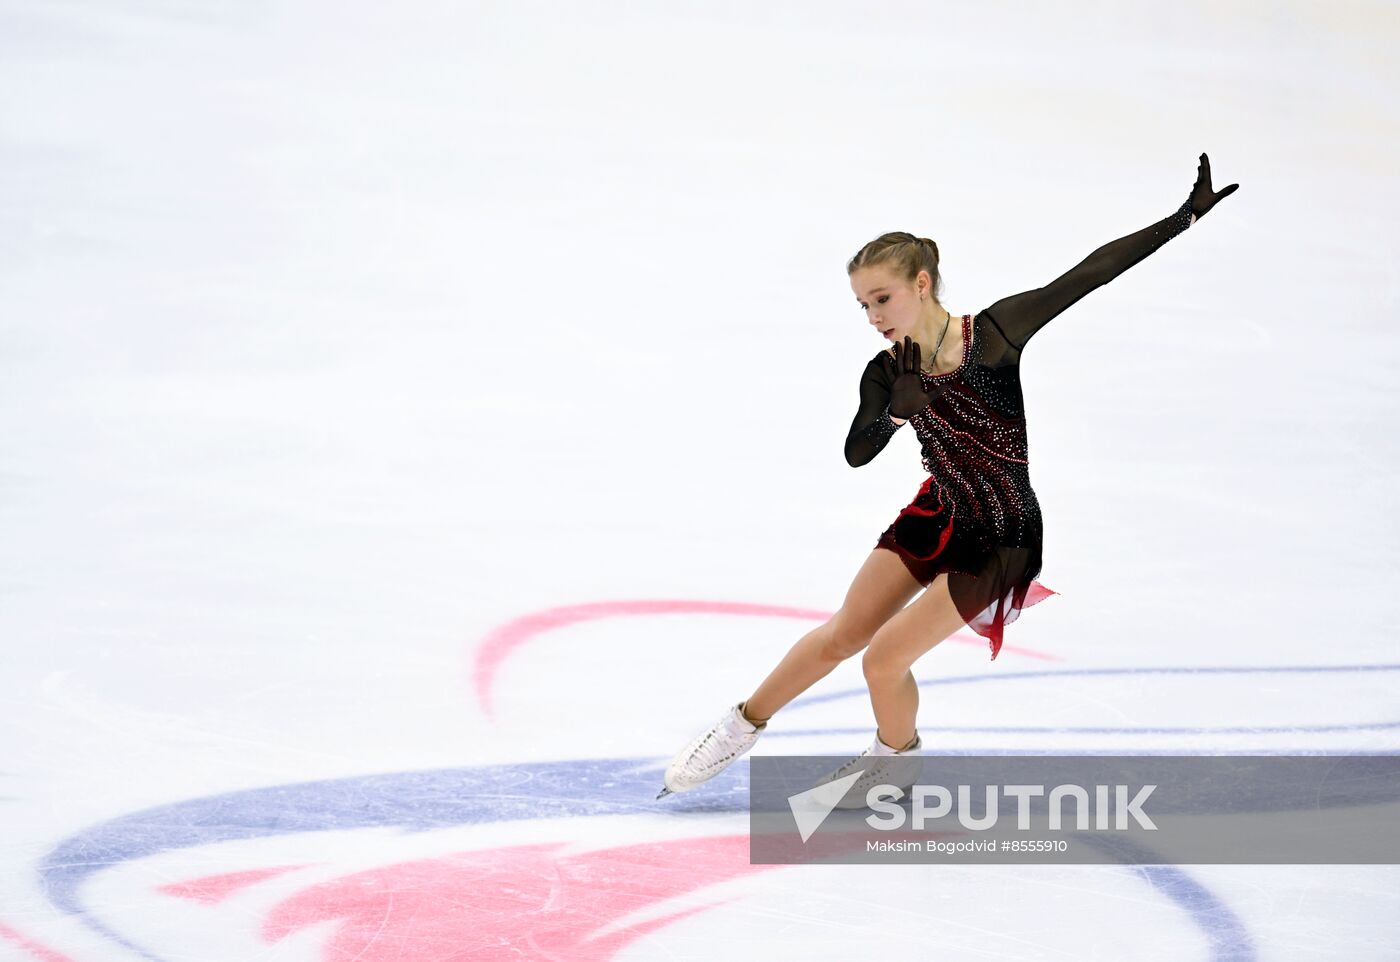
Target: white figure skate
{"points": [[883, 766], [711, 752]]}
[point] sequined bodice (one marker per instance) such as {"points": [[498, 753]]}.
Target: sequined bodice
{"points": [[972, 439], [979, 414]]}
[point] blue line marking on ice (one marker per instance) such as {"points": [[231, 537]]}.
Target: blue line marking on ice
{"points": [[1081, 672], [421, 801]]}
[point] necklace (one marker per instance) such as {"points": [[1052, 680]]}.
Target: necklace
{"points": [[934, 359]]}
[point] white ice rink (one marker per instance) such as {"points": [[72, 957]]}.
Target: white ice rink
{"points": [[417, 420]]}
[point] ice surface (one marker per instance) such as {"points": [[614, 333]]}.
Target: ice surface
{"points": [[377, 518]]}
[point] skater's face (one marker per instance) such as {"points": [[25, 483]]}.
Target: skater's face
{"points": [[891, 304]]}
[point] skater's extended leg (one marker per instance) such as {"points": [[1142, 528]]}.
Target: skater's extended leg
{"points": [[897, 644], [881, 587]]}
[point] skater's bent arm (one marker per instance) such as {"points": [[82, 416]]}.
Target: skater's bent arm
{"points": [[873, 426], [1021, 315]]}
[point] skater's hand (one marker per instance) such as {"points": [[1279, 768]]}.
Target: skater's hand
{"points": [[1202, 197], [907, 394]]}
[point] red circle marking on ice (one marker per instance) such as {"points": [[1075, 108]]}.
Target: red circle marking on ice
{"points": [[543, 901], [501, 641], [213, 889], [41, 952]]}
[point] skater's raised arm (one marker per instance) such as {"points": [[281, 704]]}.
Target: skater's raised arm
{"points": [[1019, 316], [873, 427]]}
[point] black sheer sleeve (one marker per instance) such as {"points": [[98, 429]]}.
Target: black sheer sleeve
{"points": [[873, 427], [1019, 316]]}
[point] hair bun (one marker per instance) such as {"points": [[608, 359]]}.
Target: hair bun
{"points": [[904, 253]]}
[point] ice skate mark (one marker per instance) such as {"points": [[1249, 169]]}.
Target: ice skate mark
{"points": [[504, 639], [1226, 934], [495, 904], [426, 800], [408, 801]]}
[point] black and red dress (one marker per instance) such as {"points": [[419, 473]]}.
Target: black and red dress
{"points": [[975, 516]]}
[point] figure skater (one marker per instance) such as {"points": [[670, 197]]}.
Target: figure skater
{"points": [[971, 537]]}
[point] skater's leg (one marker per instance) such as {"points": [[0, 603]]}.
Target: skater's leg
{"points": [[898, 643], [880, 589]]}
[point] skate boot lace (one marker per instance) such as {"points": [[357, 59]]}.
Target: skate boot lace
{"points": [[711, 752], [894, 769], [849, 767]]}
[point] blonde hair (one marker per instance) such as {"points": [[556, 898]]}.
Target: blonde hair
{"points": [[903, 254]]}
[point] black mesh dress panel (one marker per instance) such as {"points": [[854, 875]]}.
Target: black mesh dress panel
{"points": [[975, 516]]}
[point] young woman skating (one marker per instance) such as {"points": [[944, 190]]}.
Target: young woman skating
{"points": [[970, 540]]}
